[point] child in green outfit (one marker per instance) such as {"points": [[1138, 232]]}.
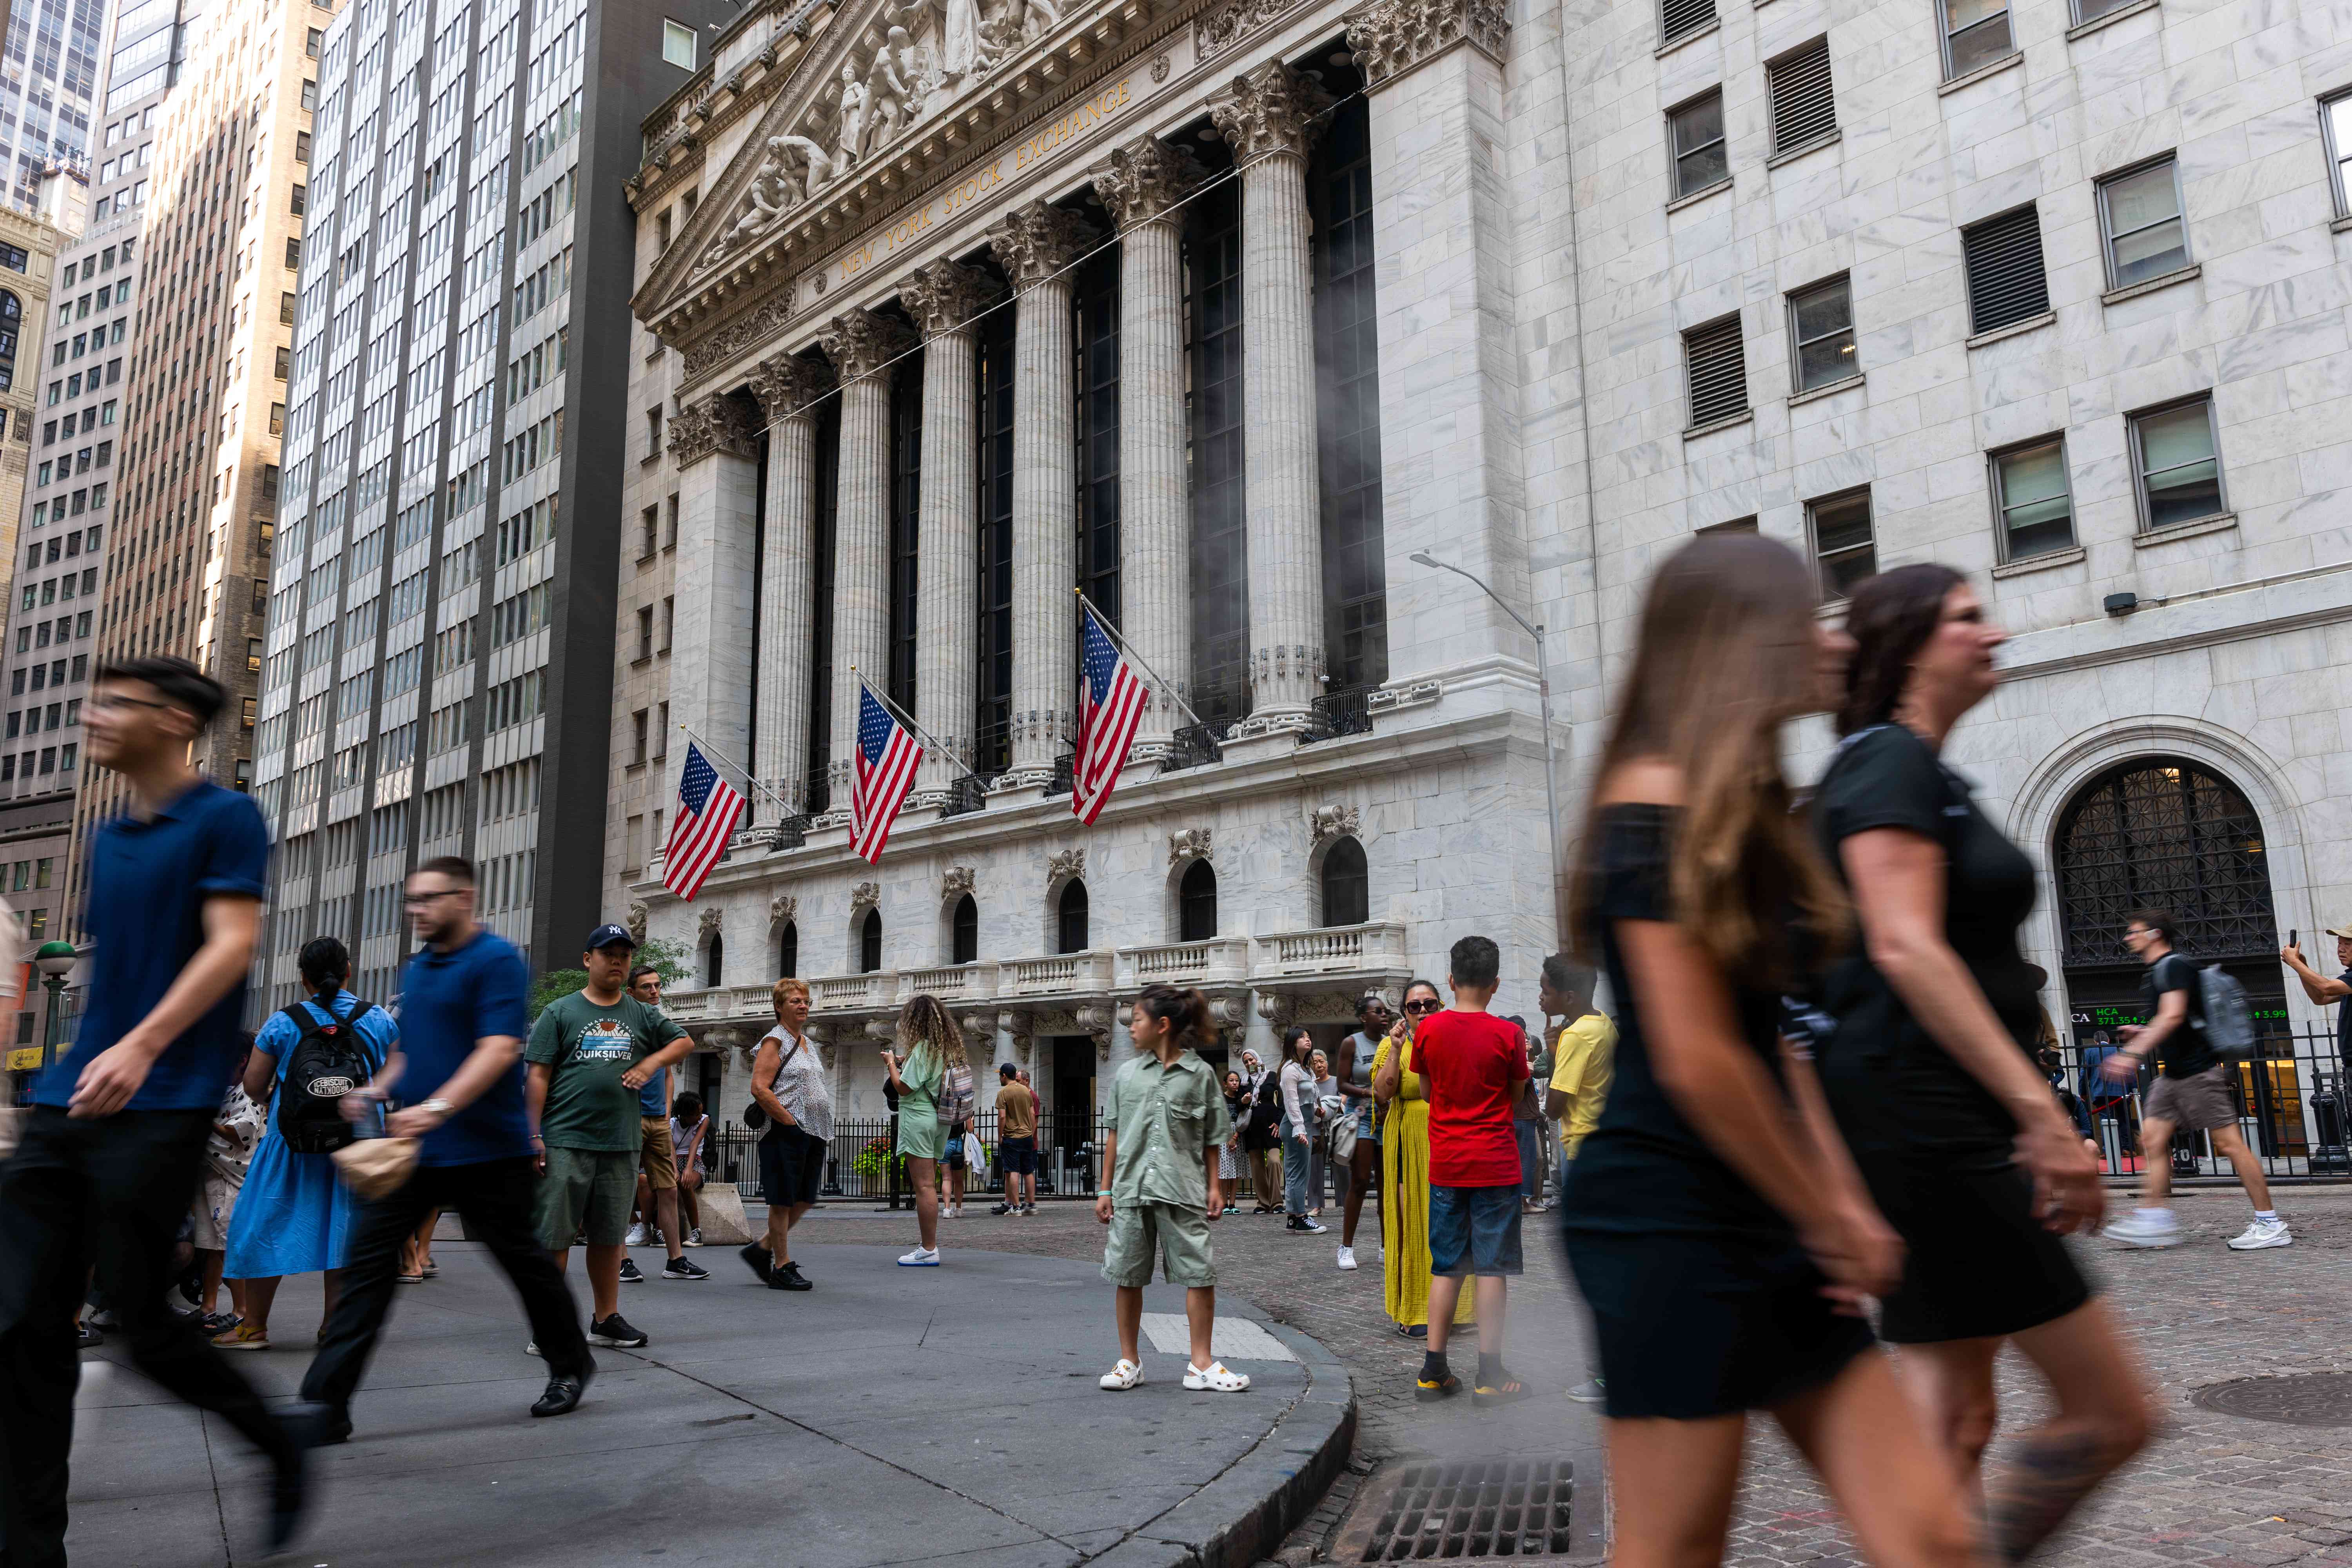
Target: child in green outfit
{"points": [[1168, 1120]]}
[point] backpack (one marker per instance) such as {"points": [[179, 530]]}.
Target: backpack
{"points": [[327, 1063], [2228, 1020], [955, 1101]]}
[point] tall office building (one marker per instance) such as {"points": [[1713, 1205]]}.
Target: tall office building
{"points": [[438, 668], [49, 84], [203, 392]]}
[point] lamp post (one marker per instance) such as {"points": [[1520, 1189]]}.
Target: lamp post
{"points": [[55, 960], [1543, 703]]}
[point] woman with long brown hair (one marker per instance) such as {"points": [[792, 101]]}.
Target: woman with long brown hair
{"points": [[1715, 1226], [934, 1084], [1930, 1069]]}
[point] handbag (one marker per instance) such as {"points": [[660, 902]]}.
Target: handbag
{"points": [[376, 1167], [1343, 1138], [754, 1117]]}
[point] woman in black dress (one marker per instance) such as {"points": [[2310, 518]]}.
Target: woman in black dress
{"points": [[1716, 1225], [1930, 1069]]}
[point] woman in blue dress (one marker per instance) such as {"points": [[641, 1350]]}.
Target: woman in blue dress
{"points": [[294, 1216]]}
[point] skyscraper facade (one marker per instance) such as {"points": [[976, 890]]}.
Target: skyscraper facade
{"points": [[49, 88], [437, 673]]}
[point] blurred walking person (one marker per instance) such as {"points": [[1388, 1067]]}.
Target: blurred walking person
{"points": [[462, 1022], [112, 1149], [296, 1215], [1932, 1075], [1583, 1061], [1404, 1173], [788, 1084], [934, 1084], [228, 1156], [1713, 1217]]}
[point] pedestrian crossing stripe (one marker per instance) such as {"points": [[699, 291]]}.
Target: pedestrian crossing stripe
{"points": [[1230, 1338]]}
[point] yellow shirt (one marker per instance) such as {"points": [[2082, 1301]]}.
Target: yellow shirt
{"points": [[1583, 1063]]}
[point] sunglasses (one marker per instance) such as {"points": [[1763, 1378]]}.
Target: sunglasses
{"points": [[1431, 1006]]}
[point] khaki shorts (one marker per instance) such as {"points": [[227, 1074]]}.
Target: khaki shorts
{"points": [[655, 1157], [215, 1205], [1179, 1235], [586, 1190], [2199, 1103]]}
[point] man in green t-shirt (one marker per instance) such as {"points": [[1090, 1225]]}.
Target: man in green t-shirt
{"points": [[590, 1053]]}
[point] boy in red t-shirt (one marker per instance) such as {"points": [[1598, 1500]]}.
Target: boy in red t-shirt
{"points": [[1471, 1064]]}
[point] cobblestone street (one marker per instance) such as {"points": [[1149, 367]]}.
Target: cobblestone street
{"points": [[2212, 1489]]}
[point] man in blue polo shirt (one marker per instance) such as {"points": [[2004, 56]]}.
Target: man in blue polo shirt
{"points": [[463, 1017], [115, 1143]]}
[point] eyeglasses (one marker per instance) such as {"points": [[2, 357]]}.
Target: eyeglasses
{"points": [[109, 702], [1429, 1007], [426, 900]]}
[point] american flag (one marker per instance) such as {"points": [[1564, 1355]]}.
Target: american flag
{"points": [[886, 755], [708, 810], [1111, 705]]}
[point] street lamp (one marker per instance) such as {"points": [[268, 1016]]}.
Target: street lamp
{"points": [[55, 960], [1543, 703]]}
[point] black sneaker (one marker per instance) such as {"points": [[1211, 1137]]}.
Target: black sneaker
{"points": [[616, 1331], [629, 1275], [757, 1259], [1305, 1226], [683, 1269], [1001, 1208], [788, 1278]]}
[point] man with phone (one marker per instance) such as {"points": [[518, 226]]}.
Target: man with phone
{"points": [[2324, 990]]}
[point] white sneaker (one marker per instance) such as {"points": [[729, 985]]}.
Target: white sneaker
{"points": [[921, 1257], [1123, 1377], [694, 1237], [1214, 1378], [2260, 1233], [2145, 1228], [636, 1236], [532, 1349], [1593, 1391], [1346, 1258]]}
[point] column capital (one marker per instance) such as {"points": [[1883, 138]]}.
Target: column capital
{"points": [[1390, 37], [788, 383], [1272, 110], [715, 423], [945, 296], [1036, 241], [1143, 181], [859, 342]]}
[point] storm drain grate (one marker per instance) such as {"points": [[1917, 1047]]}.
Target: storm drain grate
{"points": [[2308, 1399], [1429, 1511]]}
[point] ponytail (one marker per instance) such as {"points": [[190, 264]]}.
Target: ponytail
{"points": [[1185, 1012]]}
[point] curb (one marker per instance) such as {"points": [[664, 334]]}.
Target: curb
{"points": [[1287, 1471]]}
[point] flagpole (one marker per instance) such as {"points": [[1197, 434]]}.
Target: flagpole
{"points": [[1129, 648], [749, 776], [934, 748]]}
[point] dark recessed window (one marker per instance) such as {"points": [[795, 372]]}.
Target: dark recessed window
{"points": [[1716, 363], [1843, 544], [2030, 494], [964, 926], [1804, 109], [1347, 885], [1070, 918], [1196, 903], [1695, 132], [2006, 282], [869, 943]]}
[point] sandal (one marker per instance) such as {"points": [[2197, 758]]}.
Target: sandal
{"points": [[1429, 1392], [1504, 1390], [1215, 1379], [410, 1279], [244, 1337], [1123, 1377]]}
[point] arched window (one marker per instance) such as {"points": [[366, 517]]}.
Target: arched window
{"points": [[964, 931], [1196, 903], [1072, 917], [869, 943], [788, 951], [714, 960], [1347, 885]]}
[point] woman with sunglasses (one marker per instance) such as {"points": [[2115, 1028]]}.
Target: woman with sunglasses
{"points": [[1404, 1175]]}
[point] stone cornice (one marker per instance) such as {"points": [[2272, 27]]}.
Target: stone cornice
{"points": [[1144, 180], [945, 296], [787, 384], [1391, 38], [860, 342], [1271, 110], [1036, 241], [704, 426]]}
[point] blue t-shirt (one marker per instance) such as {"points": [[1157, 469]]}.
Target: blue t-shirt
{"points": [[653, 1099], [447, 1002], [147, 884], [379, 1035]]}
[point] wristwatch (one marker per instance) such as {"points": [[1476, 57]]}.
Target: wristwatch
{"points": [[440, 1107]]}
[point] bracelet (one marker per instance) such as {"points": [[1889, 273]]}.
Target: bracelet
{"points": [[1103, 1193]]}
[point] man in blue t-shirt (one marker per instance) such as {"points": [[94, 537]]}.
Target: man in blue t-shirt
{"points": [[463, 1018], [114, 1145]]}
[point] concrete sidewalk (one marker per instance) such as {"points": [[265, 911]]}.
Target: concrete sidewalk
{"points": [[890, 1416]]}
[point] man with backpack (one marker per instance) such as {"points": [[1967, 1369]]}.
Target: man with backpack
{"points": [[2197, 1023]]}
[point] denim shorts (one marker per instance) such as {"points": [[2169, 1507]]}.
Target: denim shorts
{"points": [[1017, 1155], [1474, 1231]]}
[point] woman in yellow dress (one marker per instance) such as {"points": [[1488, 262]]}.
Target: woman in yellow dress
{"points": [[1404, 1175]]}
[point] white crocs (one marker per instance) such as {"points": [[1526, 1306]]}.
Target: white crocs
{"points": [[1123, 1377], [1215, 1378]]}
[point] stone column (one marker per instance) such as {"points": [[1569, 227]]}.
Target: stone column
{"points": [[1140, 184], [786, 387], [1035, 244], [861, 344], [716, 447], [943, 298], [1270, 118]]}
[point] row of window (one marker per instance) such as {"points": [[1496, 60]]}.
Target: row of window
{"points": [[65, 547], [52, 673], [63, 507], [58, 760], [32, 721], [50, 590]]}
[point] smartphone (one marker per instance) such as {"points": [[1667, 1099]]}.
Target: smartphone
{"points": [[2295, 938]]}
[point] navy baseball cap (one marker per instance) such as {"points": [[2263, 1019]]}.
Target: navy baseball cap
{"points": [[606, 935]]}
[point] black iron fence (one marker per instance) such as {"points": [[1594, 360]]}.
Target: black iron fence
{"points": [[2290, 1099]]}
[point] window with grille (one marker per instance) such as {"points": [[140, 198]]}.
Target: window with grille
{"points": [[2163, 832], [2177, 464], [1348, 403], [1681, 18], [2140, 218], [1804, 109], [1843, 544], [1821, 330], [1220, 535], [905, 523], [993, 717], [2003, 258], [1695, 133], [2336, 124], [821, 564], [1976, 34], [1716, 363], [2030, 494], [1094, 305]]}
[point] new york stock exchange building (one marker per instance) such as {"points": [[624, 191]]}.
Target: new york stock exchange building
{"points": [[1247, 319]]}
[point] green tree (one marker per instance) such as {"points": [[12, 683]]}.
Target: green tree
{"points": [[669, 959], [555, 982]]}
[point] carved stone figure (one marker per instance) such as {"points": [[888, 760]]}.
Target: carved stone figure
{"points": [[959, 48], [637, 922], [864, 896], [1037, 17], [819, 167], [1063, 864], [955, 881], [1188, 844], [890, 102], [1334, 821], [707, 926], [852, 137], [783, 910]]}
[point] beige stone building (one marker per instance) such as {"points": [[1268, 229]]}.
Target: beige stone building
{"points": [[28, 265]]}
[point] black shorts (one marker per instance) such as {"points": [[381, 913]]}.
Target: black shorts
{"points": [[1977, 1263], [1017, 1156], [792, 1167]]}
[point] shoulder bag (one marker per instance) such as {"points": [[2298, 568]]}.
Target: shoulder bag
{"points": [[754, 1117]]}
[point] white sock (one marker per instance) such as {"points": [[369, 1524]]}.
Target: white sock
{"points": [[2155, 1213], [2266, 1215]]}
